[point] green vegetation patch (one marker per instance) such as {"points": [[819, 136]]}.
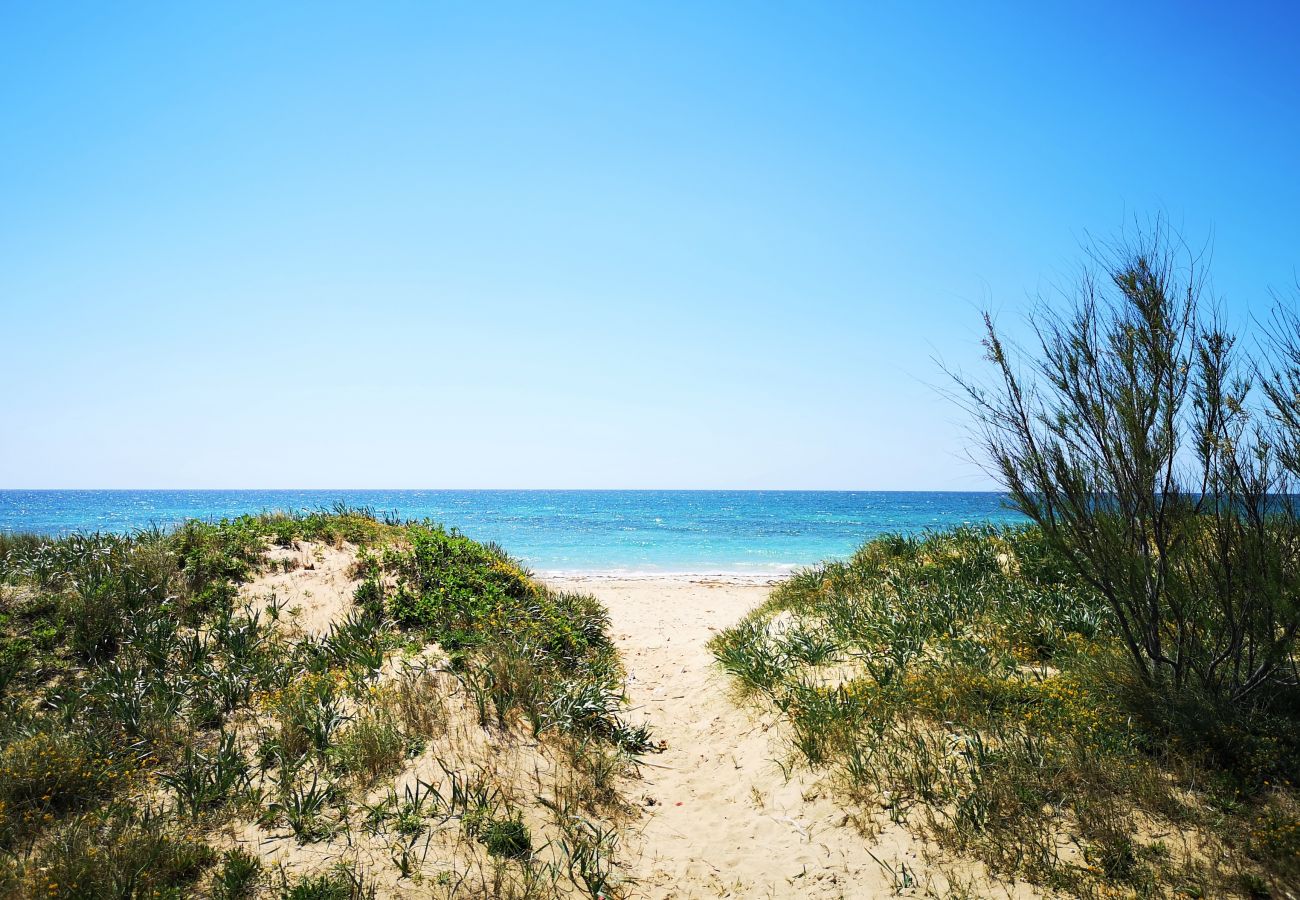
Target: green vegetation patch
{"points": [[521, 647], [143, 705], [965, 683]]}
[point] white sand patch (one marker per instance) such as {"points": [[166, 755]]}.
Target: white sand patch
{"points": [[316, 591]]}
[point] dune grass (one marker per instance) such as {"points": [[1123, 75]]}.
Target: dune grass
{"points": [[144, 703], [963, 684]]}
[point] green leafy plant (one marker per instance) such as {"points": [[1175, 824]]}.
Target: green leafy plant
{"points": [[507, 838], [239, 877]]}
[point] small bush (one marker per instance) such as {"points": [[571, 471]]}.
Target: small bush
{"points": [[340, 883], [370, 747], [308, 711], [43, 776], [520, 647], [115, 855], [1133, 439], [203, 781], [506, 838], [369, 597], [239, 877]]}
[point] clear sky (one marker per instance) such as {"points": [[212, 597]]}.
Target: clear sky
{"points": [[568, 245]]}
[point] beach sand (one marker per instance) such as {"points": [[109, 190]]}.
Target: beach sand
{"points": [[721, 816]]}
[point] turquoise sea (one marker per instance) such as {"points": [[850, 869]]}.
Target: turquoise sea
{"points": [[616, 532]]}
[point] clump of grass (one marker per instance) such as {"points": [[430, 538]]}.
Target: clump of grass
{"points": [[416, 699], [356, 643], [594, 770], [748, 652], [341, 882], [202, 781], [966, 683], [304, 807], [308, 711], [115, 854], [372, 746], [589, 849], [239, 877], [43, 776], [507, 838]]}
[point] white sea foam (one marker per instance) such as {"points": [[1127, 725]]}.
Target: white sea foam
{"points": [[770, 575]]}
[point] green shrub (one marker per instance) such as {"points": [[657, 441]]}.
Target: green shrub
{"points": [[239, 877], [204, 781], [1132, 438], [369, 597], [506, 838], [116, 855], [45, 775], [214, 557], [340, 883], [16, 546], [308, 711], [520, 647], [370, 747]]}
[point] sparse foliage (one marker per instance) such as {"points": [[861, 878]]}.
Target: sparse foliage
{"points": [[1129, 437]]}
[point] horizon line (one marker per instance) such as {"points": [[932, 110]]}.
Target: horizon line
{"points": [[553, 490]]}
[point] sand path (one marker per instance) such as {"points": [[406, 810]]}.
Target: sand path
{"points": [[721, 817]]}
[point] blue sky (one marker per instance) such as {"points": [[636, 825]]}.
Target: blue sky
{"points": [[567, 245]]}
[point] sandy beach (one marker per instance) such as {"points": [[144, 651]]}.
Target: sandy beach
{"points": [[725, 814]]}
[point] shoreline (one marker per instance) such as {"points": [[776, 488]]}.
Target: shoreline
{"points": [[616, 576]]}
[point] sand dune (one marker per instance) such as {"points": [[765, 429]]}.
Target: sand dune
{"points": [[725, 811]]}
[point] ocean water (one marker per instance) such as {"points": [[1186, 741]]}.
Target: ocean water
{"points": [[753, 533]]}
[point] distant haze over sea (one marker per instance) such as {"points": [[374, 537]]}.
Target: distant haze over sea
{"points": [[610, 532]]}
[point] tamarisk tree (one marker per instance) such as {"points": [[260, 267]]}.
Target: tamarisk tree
{"points": [[1129, 436]]}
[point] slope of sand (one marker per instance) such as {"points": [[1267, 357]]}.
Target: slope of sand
{"points": [[722, 816], [308, 589], [315, 588]]}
